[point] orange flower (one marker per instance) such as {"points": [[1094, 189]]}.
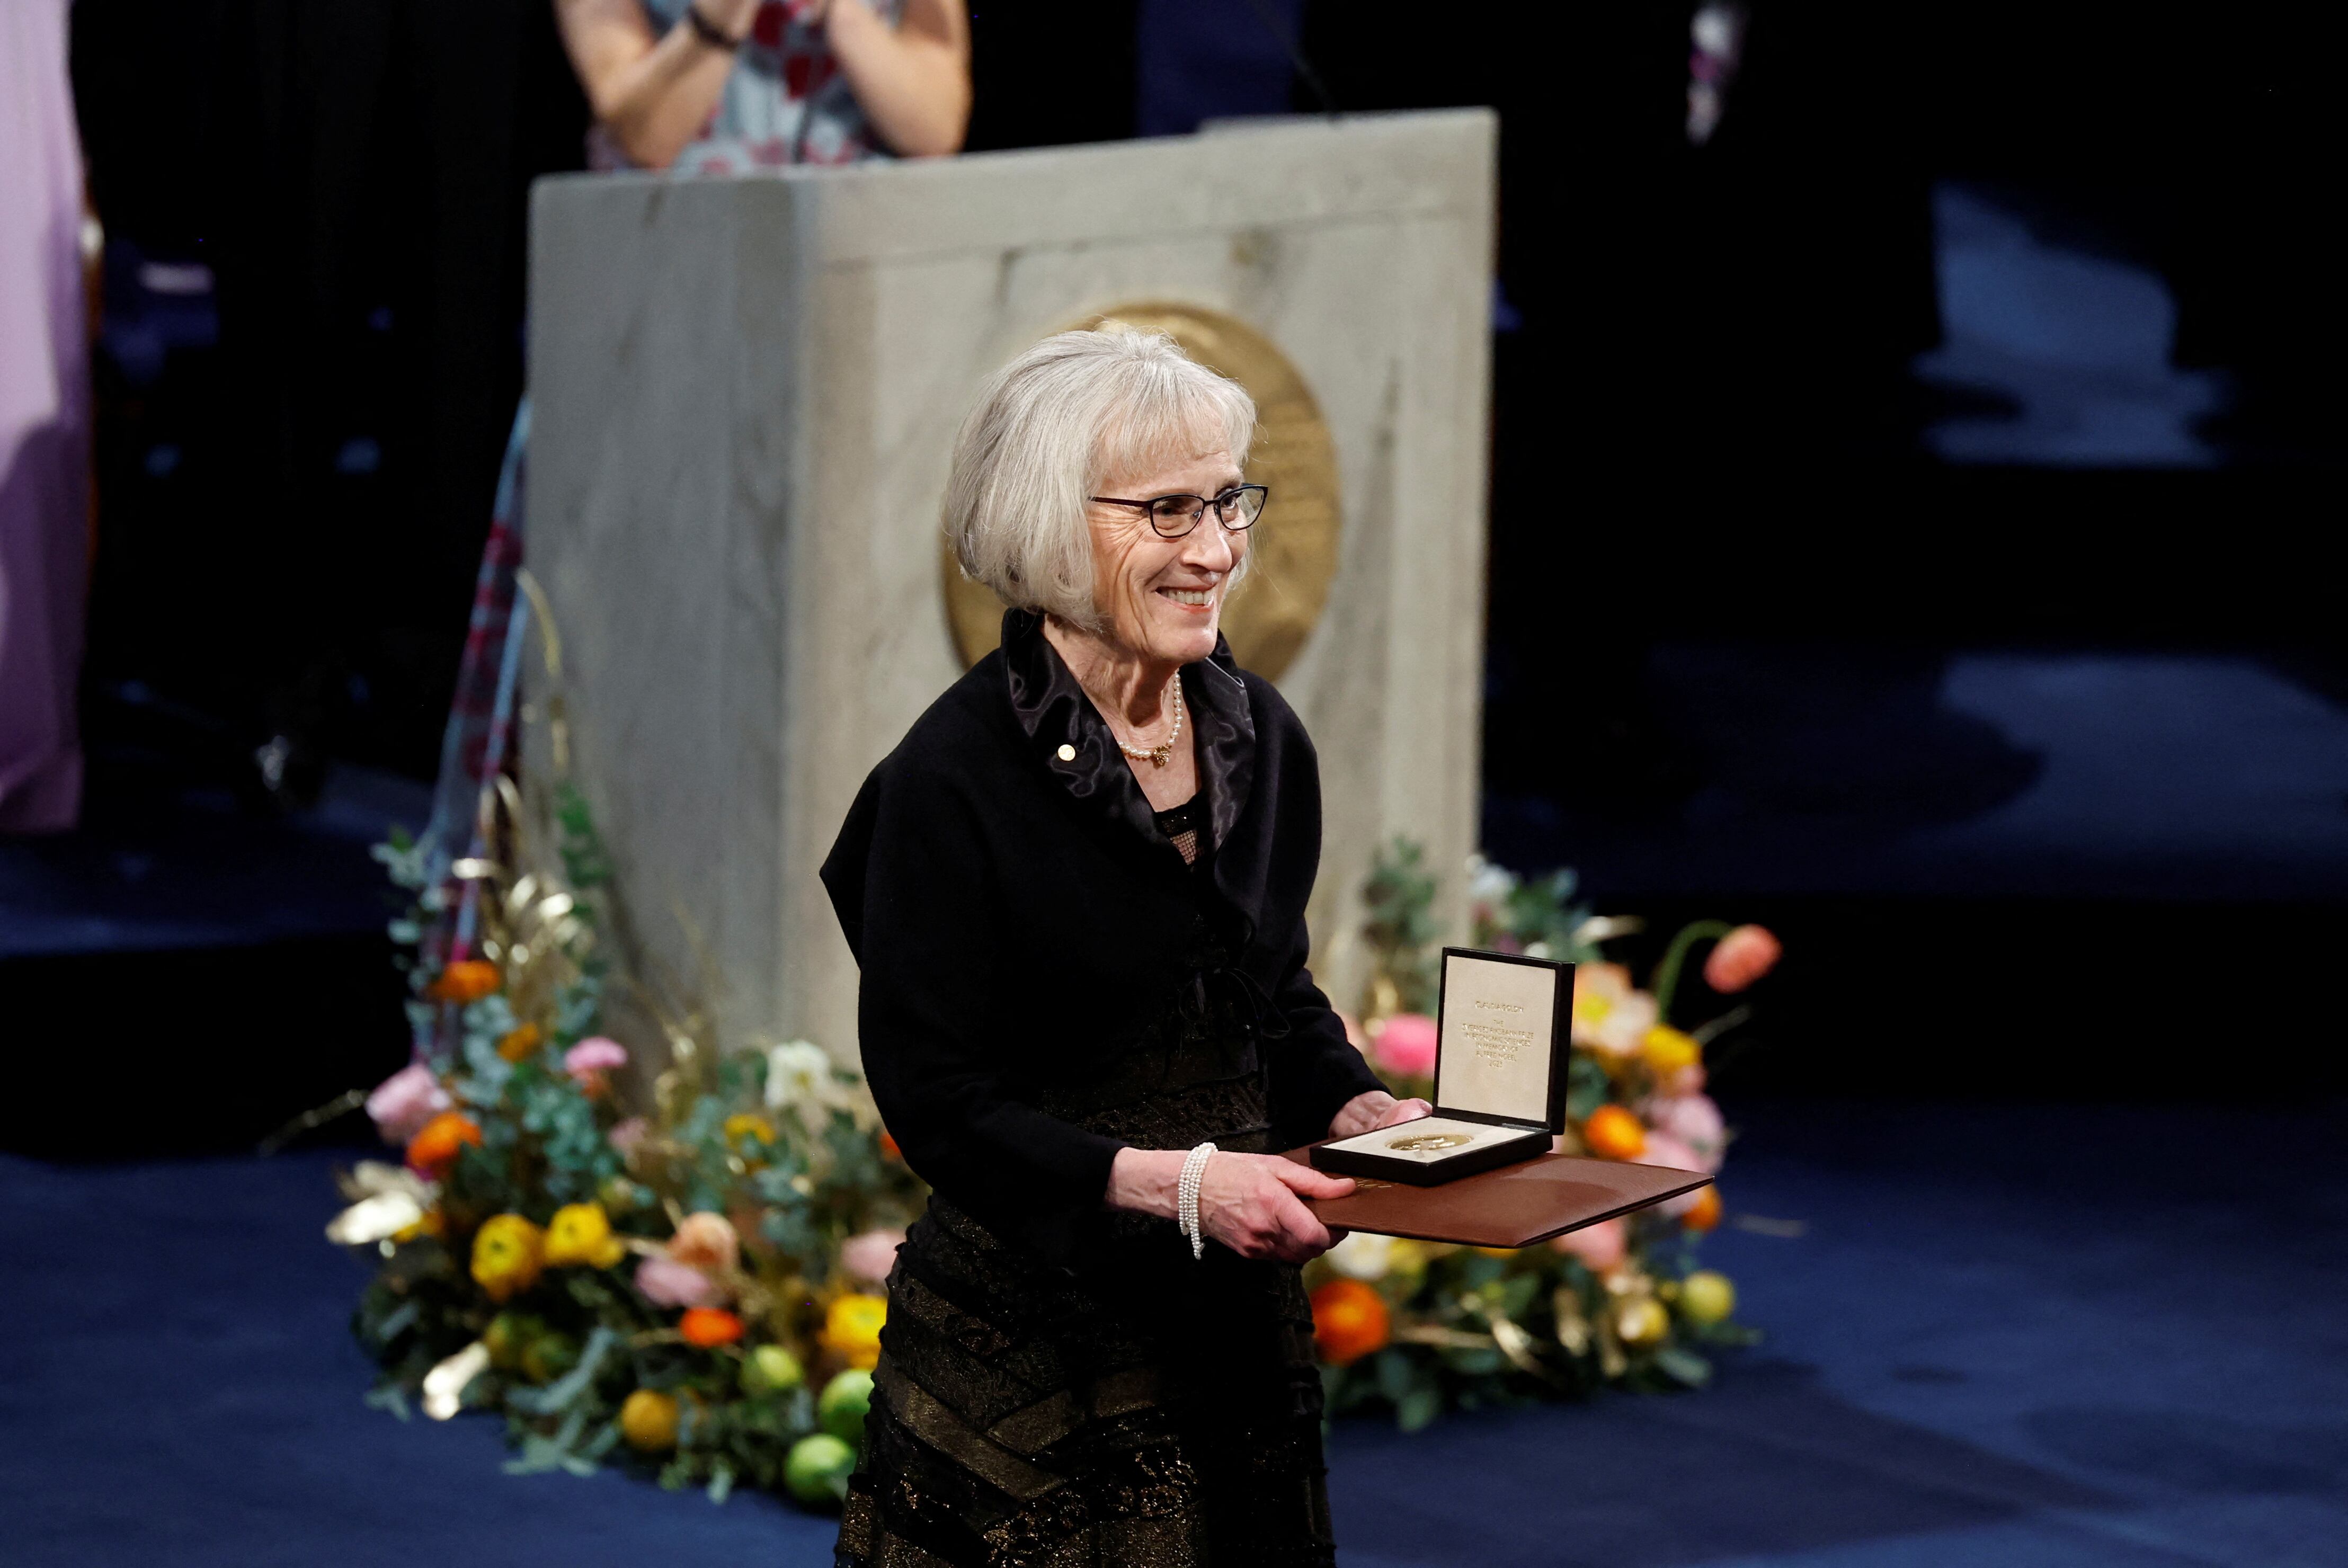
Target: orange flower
{"points": [[434, 1148], [1704, 1214], [467, 980], [888, 1146], [516, 1044], [1614, 1133], [1741, 957], [709, 1326], [1349, 1321]]}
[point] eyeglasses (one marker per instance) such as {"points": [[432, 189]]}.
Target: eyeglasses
{"points": [[1174, 516]]}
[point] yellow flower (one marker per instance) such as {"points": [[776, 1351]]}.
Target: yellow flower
{"points": [[508, 1253], [749, 1126], [1641, 1320], [518, 1043], [648, 1420], [1668, 1050], [851, 1329], [582, 1234]]}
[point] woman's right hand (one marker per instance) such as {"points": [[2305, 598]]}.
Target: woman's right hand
{"points": [[1251, 1204]]}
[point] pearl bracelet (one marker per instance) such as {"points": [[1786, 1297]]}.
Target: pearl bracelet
{"points": [[1194, 1167]]}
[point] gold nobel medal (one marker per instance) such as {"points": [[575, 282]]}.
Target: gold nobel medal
{"points": [[1427, 1142]]}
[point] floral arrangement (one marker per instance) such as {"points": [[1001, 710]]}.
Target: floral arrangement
{"points": [[698, 1285], [695, 1286], [1418, 1327]]}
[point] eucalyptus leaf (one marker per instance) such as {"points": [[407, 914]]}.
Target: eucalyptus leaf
{"points": [[1394, 1372], [390, 1397], [559, 1394], [397, 1322], [1417, 1408]]}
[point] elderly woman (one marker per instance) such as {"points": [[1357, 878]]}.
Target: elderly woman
{"points": [[1076, 890]]}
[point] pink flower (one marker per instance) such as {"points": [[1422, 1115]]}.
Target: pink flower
{"points": [[625, 1135], [1667, 1149], [707, 1241], [1407, 1044], [1683, 1080], [1600, 1246], [1670, 1149], [871, 1256], [404, 1101], [592, 1056], [1741, 957], [1694, 1119], [668, 1283]]}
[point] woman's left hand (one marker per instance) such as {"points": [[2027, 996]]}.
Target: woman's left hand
{"points": [[1368, 1112]]}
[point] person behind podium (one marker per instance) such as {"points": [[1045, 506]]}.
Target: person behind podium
{"points": [[724, 86], [1076, 890]]}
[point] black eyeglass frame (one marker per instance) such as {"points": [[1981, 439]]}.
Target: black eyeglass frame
{"points": [[1221, 504]]}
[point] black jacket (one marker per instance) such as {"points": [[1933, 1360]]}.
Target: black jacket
{"points": [[1018, 916]]}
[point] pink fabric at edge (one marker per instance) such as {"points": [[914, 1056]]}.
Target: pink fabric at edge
{"points": [[44, 423]]}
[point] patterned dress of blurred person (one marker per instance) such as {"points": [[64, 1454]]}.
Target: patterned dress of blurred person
{"points": [[696, 87], [44, 423]]}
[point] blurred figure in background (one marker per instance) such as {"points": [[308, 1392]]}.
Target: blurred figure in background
{"points": [[722, 87], [44, 423]]}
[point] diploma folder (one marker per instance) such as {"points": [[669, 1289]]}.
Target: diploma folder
{"points": [[1502, 1035], [1513, 1206]]}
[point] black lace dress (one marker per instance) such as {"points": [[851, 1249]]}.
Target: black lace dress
{"points": [[1059, 1383]]}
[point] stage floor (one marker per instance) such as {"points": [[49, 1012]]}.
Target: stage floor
{"points": [[2062, 1336]]}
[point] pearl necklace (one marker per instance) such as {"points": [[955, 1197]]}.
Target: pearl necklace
{"points": [[1158, 755]]}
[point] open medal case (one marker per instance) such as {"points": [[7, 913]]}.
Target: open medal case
{"points": [[1501, 1042]]}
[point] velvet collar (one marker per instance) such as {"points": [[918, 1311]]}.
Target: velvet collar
{"points": [[1054, 710]]}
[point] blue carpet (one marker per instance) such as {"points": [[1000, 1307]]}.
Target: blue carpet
{"points": [[163, 867], [2054, 1336], [2189, 778]]}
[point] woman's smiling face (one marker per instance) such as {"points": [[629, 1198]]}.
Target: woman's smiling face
{"points": [[1161, 599]]}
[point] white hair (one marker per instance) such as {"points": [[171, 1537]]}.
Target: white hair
{"points": [[1048, 428]]}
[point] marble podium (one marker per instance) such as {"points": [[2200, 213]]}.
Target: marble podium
{"points": [[745, 392]]}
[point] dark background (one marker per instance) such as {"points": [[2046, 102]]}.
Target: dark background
{"points": [[1733, 567]]}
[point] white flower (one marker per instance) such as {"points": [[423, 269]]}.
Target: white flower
{"points": [[444, 1385], [1362, 1256], [1488, 884], [798, 1073], [1609, 1016]]}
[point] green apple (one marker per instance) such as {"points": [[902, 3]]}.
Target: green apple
{"points": [[1706, 1297], [818, 1469], [847, 1399], [770, 1369]]}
